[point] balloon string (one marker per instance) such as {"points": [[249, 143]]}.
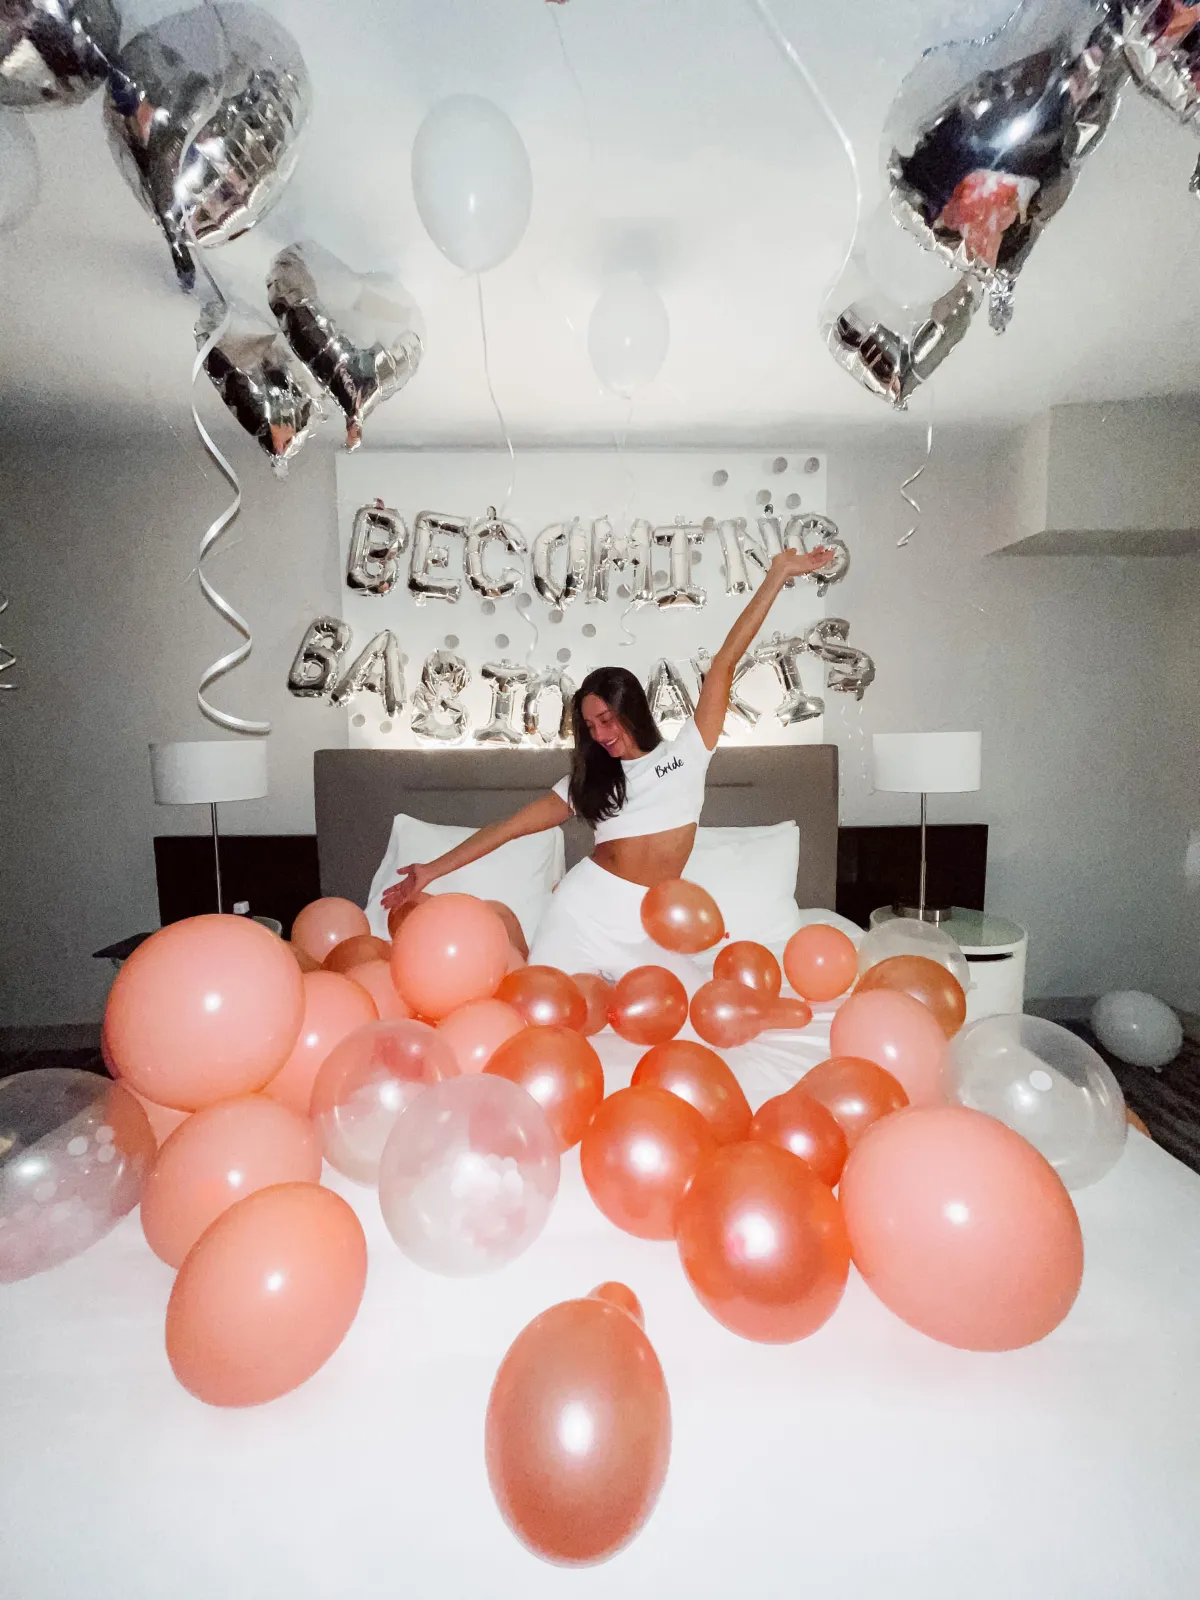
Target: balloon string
{"points": [[487, 373], [911, 500], [7, 659], [619, 446], [526, 615], [980, 39]]}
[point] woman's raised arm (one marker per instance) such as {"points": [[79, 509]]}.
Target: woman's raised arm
{"points": [[545, 812]]}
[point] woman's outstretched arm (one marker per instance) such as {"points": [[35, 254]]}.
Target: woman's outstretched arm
{"points": [[718, 684], [546, 812]]}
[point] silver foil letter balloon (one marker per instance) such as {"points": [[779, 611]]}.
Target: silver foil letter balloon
{"points": [[549, 680], [378, 538], [258, 378], [379, 669], [315, 669], [543, 554], [55, 52], [739, 708], [668, 694], [623, 554], [431, 557], [680, 541], [487, 531], [508, 683], [850, 670], [783, 657], [438, 713], [727, 531], [889, 351], [809, 533]]}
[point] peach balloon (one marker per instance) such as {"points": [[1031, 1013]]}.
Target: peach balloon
{"points": [[218, 1157], [323, 924], [333, 1007], [399, 914], [727, 1014], [926, 981], [451, 950], [597, 993], [795, 1121], [899, 1034], [962, 1229], [682, 916], [266, 1295], [649, 1006], [856, 1093], [162, 1119], [639, 1154], [376, 978], [698, 1075], [820, 962], [354, 951], [303, 960], [751, 964], [203, 1010], [559, 1068], [545, 997], [476, 1031]]}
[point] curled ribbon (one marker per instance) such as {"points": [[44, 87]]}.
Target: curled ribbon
{"points": [[7, 659], [910, 500]]}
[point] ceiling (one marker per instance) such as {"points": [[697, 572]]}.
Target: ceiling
{"points": [[665, 135]]}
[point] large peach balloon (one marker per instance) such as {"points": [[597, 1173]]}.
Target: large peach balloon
{"points": [[333, 1007], [927, 981], [751, 964], [562, 1072], [820, 962], [304, 961], [376, 978], [727, 1014], [545, 997], [597, 993], [795, 1121], [763, 1243], [962, 1229], [203, 1010], [266, 1295], [578, 1432], [323, 924], [477, 1030], [218, 1157], [453, 949], [649, 1006], [899, 1034], [682, 916], [856, 1093], [638, 1156], [698, 1075], [354, 951]]}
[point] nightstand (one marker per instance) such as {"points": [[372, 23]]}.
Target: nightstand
{"points": [[995, 951]]}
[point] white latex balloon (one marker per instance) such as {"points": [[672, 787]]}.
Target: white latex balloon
{"points": [[472, 181], [629, 333], [20, 171], [905, 936], [1137, 1028]]}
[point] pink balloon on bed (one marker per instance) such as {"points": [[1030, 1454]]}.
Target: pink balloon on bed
{"points": [[333, 1007], [325, 923], [476, 1031], [376, 978], [899, 1034], [451, 950]]}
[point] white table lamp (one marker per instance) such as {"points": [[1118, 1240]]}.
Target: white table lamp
{"points": [[924, 764], [207, 772]]}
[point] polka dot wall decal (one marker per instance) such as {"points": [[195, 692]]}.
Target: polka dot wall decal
{"points": [[660, 577], [763, 497], [488, 608], [622, 591], [385, 727], [564, 656], [501, 641], [556, 614], [451, 641], [523, 602], [793, 502], [357, 720], [589, 630], [720, 479], [812, 465], [779, 464]]}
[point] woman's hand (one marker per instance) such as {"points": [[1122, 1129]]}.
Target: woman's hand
{"points": [[414, 880], [798, 563]]}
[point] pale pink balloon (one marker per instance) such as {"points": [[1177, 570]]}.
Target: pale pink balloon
{"points": [[323, 924], [451, 950], [162, 1119], [899, 1034], [376, 978], [477, 1030], [333, 1007], [218, 1157], [204, 1010]]}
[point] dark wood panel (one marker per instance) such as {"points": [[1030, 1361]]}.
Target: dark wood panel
{"points": [[277, 873], [877, 866]]}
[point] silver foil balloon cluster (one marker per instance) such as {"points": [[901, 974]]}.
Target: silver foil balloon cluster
{"points": [[891, 354], [55, 53], [1162, 46], [258, 378]]}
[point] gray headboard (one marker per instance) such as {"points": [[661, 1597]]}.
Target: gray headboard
{"points": [[358, 792]]}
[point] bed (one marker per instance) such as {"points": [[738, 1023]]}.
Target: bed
{"points": [[865, 1461]]}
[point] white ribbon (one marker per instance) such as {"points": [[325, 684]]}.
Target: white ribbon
{"points": [[7, 659]]}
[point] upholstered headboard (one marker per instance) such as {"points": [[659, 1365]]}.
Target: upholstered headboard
{"points": [[358, 792]]}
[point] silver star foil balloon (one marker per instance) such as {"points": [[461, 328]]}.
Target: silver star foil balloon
{"points": [[889, 352], [360, 335], [260, 381], [1162, 46], [204, 117], [55, 52]]}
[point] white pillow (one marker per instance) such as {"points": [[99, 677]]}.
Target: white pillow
{"points": [[751, 874], [522, 873]]}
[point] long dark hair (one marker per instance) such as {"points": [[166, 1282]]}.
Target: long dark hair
{"points": [[597, 779]]}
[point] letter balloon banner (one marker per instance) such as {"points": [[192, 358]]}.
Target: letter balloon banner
{"points": [[317, 663]]}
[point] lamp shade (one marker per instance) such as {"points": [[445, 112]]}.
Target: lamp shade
{"points": [[927, 763], [203, 771]]}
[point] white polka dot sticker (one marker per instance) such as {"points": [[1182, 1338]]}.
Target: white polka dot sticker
{"points": [[1040, 1080], [106, 1153], [77, 1146], [105, 1135]]}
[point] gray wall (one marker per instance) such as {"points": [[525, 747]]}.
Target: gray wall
{"points": [[1079, 671]]}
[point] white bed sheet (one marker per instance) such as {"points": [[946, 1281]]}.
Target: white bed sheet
{"points": [[865, 1461]]}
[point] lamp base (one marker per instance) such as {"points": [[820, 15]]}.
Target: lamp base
{"points": [[931, 914]]}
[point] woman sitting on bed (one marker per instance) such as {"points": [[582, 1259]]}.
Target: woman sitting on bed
{"points": [[642, 796]]}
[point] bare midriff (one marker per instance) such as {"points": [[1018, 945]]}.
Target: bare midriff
{"points": [[647, 858]]}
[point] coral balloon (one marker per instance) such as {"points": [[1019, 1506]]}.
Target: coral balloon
{"points": [[476, 1031], [162, 1119], [856, 1093], [904, 936], [266, 1295], [365, 1083], [453, 949], [649, 1006], [763, 1243], [559, 1068], [324, 924], [682, 916], [545, 997], [638, 1156], [203, 1010], [376, 978], [899, 1034], [303, 960], [698, 1075], [750, 964], [578, 1432], [937, 989], [962, 1229], [218, 1157], [820, 962], [399, 914], [727, 1014], [354, 951], [334, 1006], [597, 993], [795, 1121]]}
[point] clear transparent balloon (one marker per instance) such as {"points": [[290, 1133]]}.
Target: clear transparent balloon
{"points": [[1137, 1027], [905, 936]]}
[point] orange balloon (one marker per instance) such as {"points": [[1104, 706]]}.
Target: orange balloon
{"points": [[638, 1156], [203, 1010], [597, 993], [698, 1075], [682, 916], [751, 964], [820, 962], [926, 981], [899, 1034], [578, 1431], [303, 960], [856, 1093], [376, 978], [163, 1121], [354, 951], [266, 1295], [1134, 1121], [477, 1030], [545, 997], [451, 950], [218, 1157], [763, 1243], [323, 924], [620, 1294], [728, 1014], [795, 1121], [562, 1072], [649, 1006], [333, 1007], [400, 914], [962, 1228]]}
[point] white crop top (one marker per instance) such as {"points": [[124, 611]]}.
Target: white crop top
{"points": [[663, 790]]}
